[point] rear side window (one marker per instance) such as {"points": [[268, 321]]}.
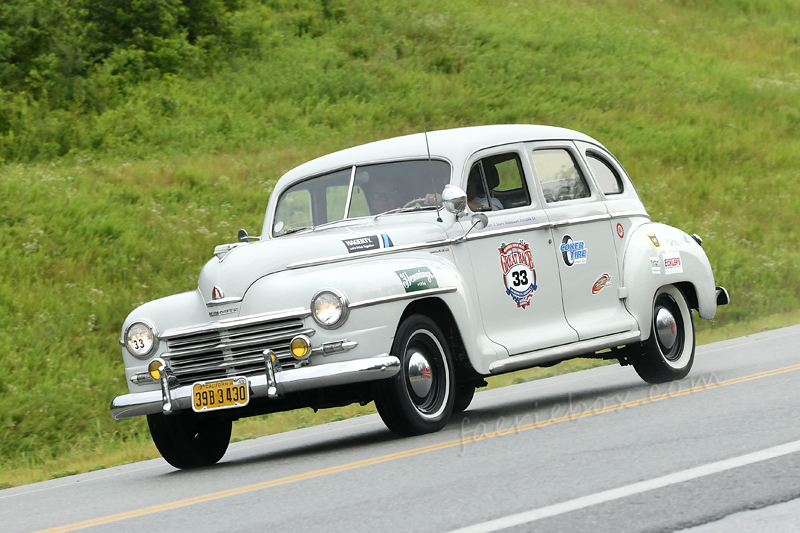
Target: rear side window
{"points": [[559, 176], [606, 176]]}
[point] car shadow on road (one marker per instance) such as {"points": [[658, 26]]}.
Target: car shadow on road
{"points": [[500, 413]]}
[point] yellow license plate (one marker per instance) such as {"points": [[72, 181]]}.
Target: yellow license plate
{"points": [[220, 394]]}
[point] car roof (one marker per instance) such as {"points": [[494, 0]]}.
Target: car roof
{"points": [[455, 145]]}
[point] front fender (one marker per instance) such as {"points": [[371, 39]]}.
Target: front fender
{"points": [[378, 291], [658, 255], [176, 311]]}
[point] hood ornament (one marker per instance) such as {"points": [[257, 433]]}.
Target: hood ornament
{"points": [[217, 293]]}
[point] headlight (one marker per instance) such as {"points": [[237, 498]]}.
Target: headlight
{"points": [[141, 339], [329, 308]]}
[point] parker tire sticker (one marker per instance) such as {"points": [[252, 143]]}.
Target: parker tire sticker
{"points": [[654, 240], [601, 283], [417, 279], [519, 274], [620, 230], [672, 263], [371, 242], [573, 252]]}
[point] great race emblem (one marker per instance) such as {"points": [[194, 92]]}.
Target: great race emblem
{"points": [[519, 274]]}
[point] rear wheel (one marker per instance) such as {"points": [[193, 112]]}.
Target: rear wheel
{"points": [[185, 441], [669, 352], [419, 398]]}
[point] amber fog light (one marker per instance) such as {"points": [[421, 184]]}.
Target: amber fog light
{"points": [[154, 368], [300, 346]]}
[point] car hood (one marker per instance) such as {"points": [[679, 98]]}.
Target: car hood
{"points": [[245, 264]]}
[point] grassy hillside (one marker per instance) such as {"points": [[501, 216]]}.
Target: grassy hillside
{"points": [[105, 207]]}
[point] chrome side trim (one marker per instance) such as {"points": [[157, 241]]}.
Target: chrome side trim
{"points": [[305, 378], [548, 355], [298, 312], [223, 301], [581, 220], [513, 229], [334, 347], [627, 214], [368, 253], [406, 296]]}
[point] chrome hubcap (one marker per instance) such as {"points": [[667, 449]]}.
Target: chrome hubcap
{"points": [[420, 374], [666, 328]]}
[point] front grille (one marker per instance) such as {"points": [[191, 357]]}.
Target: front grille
{"points": [[231, 350]]}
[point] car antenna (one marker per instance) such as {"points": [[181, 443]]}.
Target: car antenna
{"points": [[428, 147]]}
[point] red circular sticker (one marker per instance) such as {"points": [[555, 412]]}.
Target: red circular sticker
{"points": [[620, 231]]}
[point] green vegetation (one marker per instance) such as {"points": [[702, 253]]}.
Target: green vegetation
{"points": [[135, 135]]}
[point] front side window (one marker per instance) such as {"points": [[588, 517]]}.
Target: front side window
{"points": [[559, 176], [371, 190], [497, 183]]}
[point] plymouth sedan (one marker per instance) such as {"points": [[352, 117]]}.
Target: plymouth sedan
{"points": [[407, 270]]}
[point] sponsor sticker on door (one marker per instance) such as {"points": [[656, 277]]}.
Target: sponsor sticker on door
{"points": [[519, 274], [601, 283], [573, 252]]}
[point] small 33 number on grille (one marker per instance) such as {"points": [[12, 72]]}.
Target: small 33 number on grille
{"points": [[220, 394]]}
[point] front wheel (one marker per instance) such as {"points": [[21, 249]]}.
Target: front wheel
{"points": [[463, 397], [185, 441], [419, 398], [669, 352]]}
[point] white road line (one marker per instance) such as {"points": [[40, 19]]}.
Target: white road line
{"points": [[630, 490]]}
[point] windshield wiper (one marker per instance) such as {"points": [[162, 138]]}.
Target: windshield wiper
{"points": [[406, 210], [294, 230], [326, 224]]}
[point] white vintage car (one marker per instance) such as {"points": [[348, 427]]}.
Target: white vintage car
{"points": [[407, 270]]}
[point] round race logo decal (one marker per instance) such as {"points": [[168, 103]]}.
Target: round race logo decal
{"points": [[519, 274], [620, 230]]}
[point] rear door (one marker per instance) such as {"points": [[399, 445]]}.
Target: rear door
{"points": [[583, 243]]}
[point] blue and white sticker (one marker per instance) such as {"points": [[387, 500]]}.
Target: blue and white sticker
{"points": [[573, 252], [370, 242]]}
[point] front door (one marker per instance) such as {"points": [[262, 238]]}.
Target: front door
{"points": [[516, 272], [583, 242]]}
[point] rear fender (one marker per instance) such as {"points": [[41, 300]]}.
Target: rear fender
{"points": [[658, 255]]}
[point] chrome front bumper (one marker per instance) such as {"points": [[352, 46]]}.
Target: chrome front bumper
{"points": [[172, 398]]}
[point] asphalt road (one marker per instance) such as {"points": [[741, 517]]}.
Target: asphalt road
{"points": [[598, 450]]}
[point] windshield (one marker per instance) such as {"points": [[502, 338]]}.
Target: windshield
{"points": [[370, 189]]}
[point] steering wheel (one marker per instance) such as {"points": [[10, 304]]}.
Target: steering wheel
{"points": [[414, 202]]}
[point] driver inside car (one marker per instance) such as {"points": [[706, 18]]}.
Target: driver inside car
{"points": [[476, 197], [383, 197]]}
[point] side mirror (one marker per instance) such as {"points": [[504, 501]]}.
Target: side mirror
{"points": [[244, 237], [479, 221], [454, 199]]}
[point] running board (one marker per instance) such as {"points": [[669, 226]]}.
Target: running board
{"points": [[561, 353]]}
